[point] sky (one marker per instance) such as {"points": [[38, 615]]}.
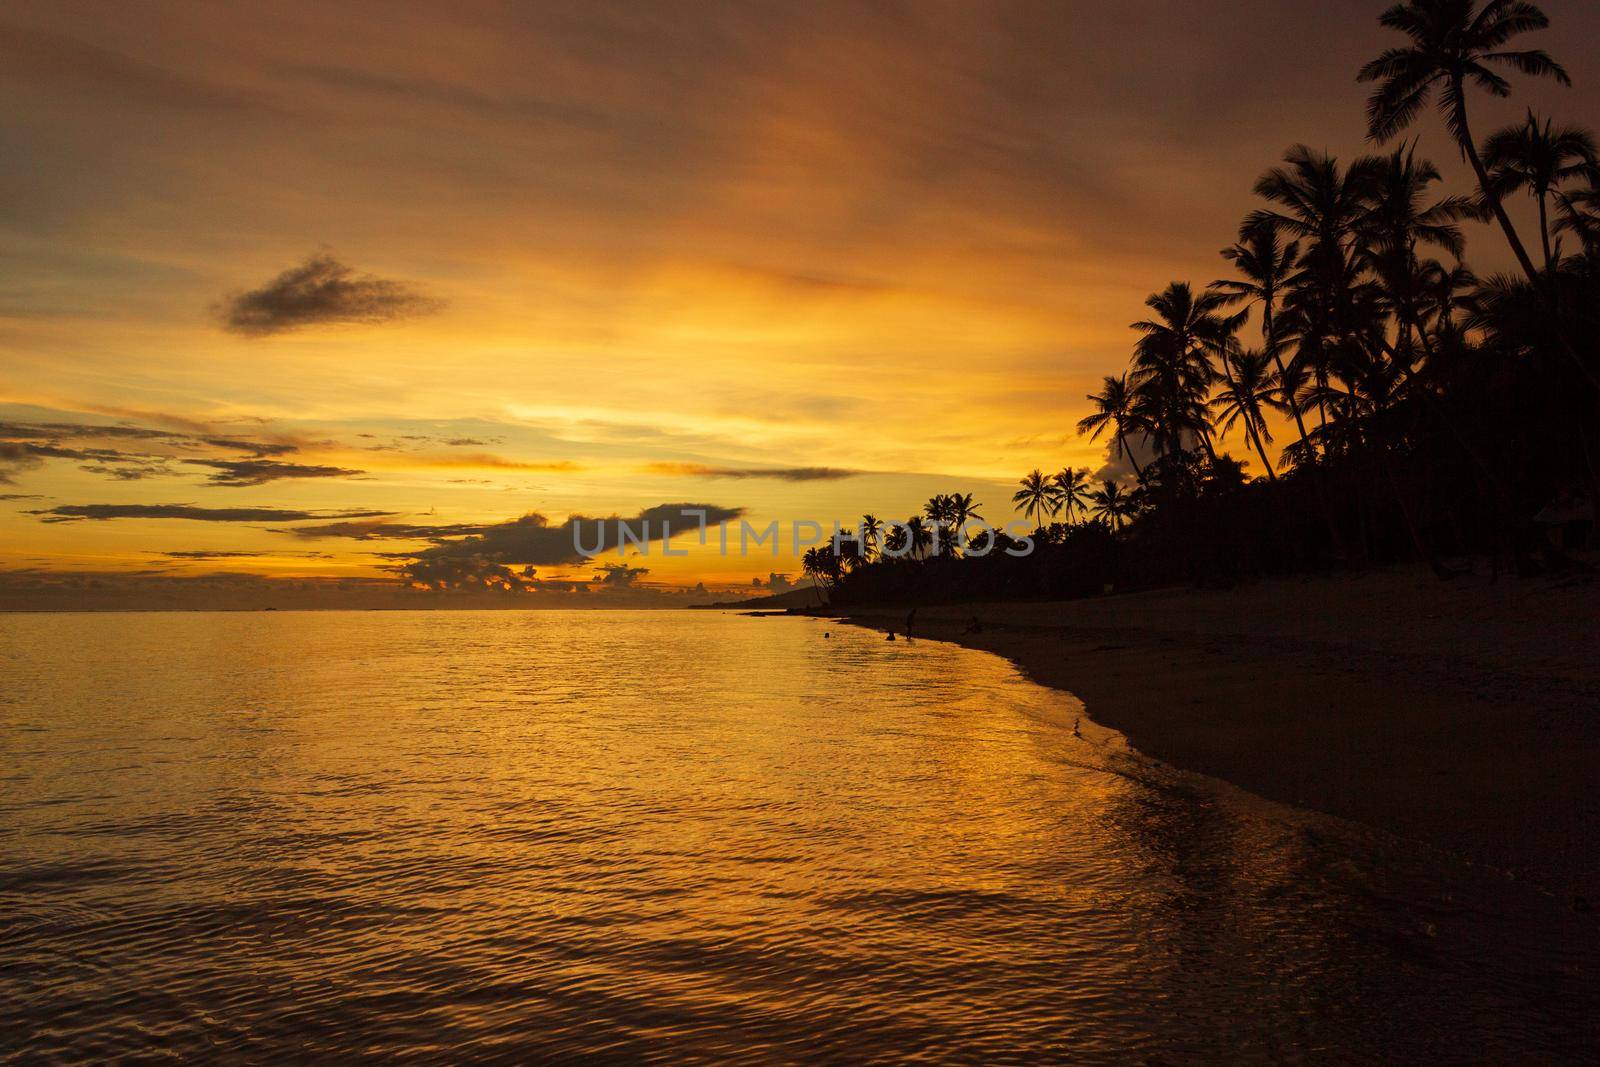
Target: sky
{"points": [[296, 294]]}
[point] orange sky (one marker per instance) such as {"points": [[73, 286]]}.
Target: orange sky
{"points": [[626, 255]]}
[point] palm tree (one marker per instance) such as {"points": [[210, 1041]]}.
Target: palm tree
{"points": [[871, 535], [963, 509], [1452, 43], [1538, 159], [1072, 490], [938, 510], [1114, 406], [1037, 497], [1267, 268], [1252, 385], [1115, 503], [1171, 369], [811, 563], [918, 536]]}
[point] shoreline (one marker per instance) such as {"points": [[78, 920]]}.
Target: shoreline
{"points": [[1461, 715]]}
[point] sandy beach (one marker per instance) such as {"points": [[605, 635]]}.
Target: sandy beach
{"points": [[1459, 714]]}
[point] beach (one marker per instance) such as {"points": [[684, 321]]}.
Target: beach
{"points": [[1459, 714]]}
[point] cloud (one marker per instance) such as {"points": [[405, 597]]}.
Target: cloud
{"points": [[532, 541], [785, 474], [102, 512], [775, 583], [239, 472], [618, 575], [16, 458], [486, 459], [381, 530], [321, 291]]}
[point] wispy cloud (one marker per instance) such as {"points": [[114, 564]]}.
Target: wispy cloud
{"points": [[321, 291], [784, 474], [241, 472], [102, 512]]}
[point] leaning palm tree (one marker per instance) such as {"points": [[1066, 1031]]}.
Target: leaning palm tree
{"points": [[1114, 407], [1538, 159], [1251, 386], [1072, 490], [1453, 43], [1114, 503], [1266, 267], [812, 564], [1037, 497]]}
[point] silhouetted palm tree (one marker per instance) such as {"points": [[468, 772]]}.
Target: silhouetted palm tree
{"points": [[919, 536], [1252, 386], [1114, 502], [1171, 367], [1267, 267], [1037, 497], [963, 509], [1452, 44], [1114, 406], [1538, 159], [1072, 491], [871, 535]]}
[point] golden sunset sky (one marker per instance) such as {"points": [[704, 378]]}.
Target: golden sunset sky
{"points": [[803, 260]]}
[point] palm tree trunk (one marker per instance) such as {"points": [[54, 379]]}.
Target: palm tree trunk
{"points": [[1271, 338], [1122, 443], [1489, 193], [1544, 236], [1255, 439]]}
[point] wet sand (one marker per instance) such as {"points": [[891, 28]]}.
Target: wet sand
{"points": [[1459, 714]]}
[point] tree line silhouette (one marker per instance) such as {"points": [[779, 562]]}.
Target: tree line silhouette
{"points": [[1435, 414]]}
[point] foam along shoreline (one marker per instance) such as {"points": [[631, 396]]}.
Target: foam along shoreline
{"points": [[1457, 714]]}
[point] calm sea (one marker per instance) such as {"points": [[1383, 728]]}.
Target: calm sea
{"points": [[682, 836]]}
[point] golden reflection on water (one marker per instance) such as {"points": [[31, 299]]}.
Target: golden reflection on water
{"points": [[685, 835]]}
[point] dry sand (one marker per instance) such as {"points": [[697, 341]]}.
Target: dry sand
{"points": [[1461, 714]]}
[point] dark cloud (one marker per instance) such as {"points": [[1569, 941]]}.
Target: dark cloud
{"points": [[380, 530], [255, 448], [321, 291], [16, 458], [463, 442], [239, 472], [36, 58], [618, 575], [532, 541], [206, 553], [21, 496], [101, 512], [785, 474]]}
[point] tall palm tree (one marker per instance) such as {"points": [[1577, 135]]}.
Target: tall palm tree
{"points": [[1267, 267], [812, 565], [1037, 497], [1072, 490], [871, 535], [1114, 407], [1171, 366], [1251, 386], [963, 509], [918, 535], [1451, 44], [1116, 504], [1537, 159]]}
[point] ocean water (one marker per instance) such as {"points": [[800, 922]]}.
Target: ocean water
{"points": [[685, 836]]}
